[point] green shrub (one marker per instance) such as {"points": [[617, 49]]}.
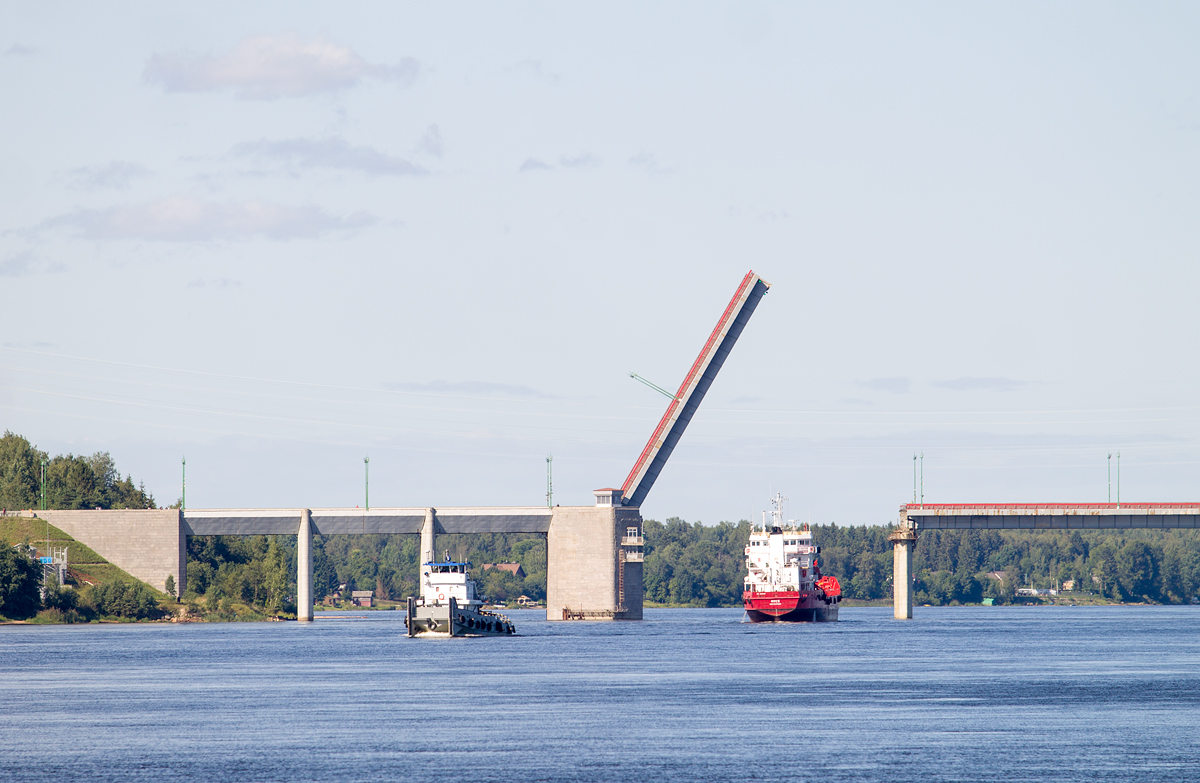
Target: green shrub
{"points": [[19, 583], [57, 597], [58, 616], [121, 599]]}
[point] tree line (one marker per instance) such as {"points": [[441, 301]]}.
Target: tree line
{"points": [[260, 571], [703, 565], [686, 564], [71, 481]]}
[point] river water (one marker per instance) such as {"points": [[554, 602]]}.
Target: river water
{"points": [[957, 694]]}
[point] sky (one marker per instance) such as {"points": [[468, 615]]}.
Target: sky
{"points": [[276, 239]]}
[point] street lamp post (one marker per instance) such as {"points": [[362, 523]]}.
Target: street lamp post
{"points": [[922, 479], [367, 479], [44, 463]]}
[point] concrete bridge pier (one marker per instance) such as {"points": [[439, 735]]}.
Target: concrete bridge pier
{"points": [[304, 568], [428, 539], [902, 540]]}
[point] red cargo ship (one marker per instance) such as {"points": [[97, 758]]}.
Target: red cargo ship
{"points": [[784, 583]]}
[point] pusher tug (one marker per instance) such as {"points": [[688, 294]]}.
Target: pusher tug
{"points": [[449, 607], [784, 583]]}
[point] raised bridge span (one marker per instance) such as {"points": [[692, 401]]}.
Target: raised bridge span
{"points": [[915, 517]]}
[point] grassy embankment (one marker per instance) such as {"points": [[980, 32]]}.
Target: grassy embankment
{"points": [[85, 568]]}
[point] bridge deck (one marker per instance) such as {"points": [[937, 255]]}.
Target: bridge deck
{"points": [[333, 521], [1051, 516]]}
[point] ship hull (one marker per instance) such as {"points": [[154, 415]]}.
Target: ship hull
{"points": [[790, 607], [447, 620]]}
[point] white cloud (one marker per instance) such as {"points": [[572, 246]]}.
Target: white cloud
{"points": [[334, 153], [188, 219], [648, 163], [116, 174], [890, 385], [25, 263], [468, 388], [265, 67], [431, 142], [534, 68], [222, 282], [533, 164], [17, 265], [980, 384], [17, 50], [584, 160]]}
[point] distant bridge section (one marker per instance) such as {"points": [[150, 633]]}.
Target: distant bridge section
{"points": [[1050, 516], [593, 553], [918, 517], [342, 521]]}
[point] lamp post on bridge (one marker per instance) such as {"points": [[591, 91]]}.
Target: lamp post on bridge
{"points": [[44, 463], [367, 489]]}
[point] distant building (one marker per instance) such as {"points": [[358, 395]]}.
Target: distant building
{"points": [[362, 597], [513, 568], [1069, 584], [997, 575], [526, 601]]}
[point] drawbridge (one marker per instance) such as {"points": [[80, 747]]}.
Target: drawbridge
{"points": [[594, 553]]}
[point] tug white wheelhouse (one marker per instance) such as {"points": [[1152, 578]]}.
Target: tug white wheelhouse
{"points": [[442, 581]]}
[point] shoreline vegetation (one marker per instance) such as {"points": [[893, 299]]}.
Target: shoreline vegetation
{"points": [[252, 578]]}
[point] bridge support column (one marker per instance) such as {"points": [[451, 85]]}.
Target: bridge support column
{"points": [[902, 576], [304, 568], [428, 553]]}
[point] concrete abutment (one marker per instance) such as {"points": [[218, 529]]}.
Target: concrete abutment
{"points": [[148, 544]]}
